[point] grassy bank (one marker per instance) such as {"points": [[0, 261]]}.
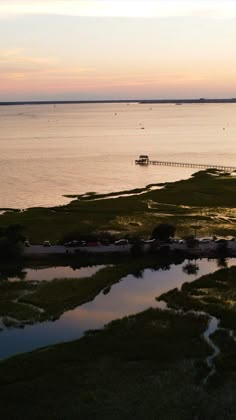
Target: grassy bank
{"points": [[214, 293], [205, 202]]}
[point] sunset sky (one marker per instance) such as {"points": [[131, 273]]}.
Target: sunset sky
{"points": [[117, 49]]}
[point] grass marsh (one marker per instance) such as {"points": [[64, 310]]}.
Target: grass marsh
{"points": [[207, 200]]}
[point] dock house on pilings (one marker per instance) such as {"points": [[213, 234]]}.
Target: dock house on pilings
{"points": [[142, 160]]}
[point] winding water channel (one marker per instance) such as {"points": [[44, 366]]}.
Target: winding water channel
{"points": [[129, 296], [212, 327]]}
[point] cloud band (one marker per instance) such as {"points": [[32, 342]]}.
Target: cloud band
{"points": [[120, 8]]}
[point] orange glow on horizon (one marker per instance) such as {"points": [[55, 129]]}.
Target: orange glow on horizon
{"points": [[139, 86]]}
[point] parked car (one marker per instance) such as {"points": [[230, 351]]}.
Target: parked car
{"points": [[93, 243], [149, 241], [121, 242], [47, 243], [175, 241], [27, 243], [205, 240], [72, 243]]}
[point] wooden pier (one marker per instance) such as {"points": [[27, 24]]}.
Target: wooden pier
{"points": [[146, 161]]}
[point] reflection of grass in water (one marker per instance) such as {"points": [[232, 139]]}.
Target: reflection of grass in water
{"points": [[207, 196]]}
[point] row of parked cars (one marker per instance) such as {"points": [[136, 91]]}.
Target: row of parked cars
{"points": [[207, 240], [96, 243], [45, 243], [75, 243]]}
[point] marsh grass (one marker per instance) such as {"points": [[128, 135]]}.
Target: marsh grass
{"points": [[10, 293], [18, 311], [131, 368], [214, 293], [134, 366], [199, 199]]}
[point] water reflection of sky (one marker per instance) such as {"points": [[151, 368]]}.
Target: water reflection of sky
{"points": [[129, 296], [50, 273]]}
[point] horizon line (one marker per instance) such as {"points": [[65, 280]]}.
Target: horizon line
{"points": [[141, 101]]}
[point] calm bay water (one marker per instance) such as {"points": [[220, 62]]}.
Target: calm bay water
{"points": [[48, 151]]}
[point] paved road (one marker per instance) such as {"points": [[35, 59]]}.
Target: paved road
{"points": [[60, 249], [207, 248]]}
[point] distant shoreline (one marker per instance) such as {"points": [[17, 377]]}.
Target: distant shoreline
{"points": [[140, 101]]}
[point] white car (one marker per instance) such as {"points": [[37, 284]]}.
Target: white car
{"points": [[47, 243], [122, 242], [149, 241]]}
